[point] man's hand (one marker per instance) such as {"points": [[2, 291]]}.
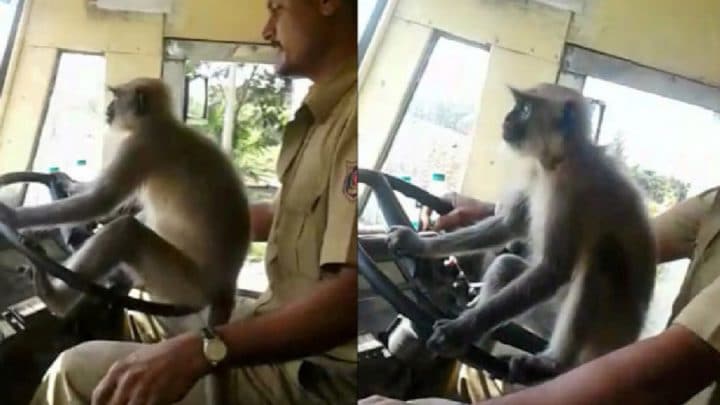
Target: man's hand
{"points": [[380, 400], [466, 211], [159, 373], [70, 186]]}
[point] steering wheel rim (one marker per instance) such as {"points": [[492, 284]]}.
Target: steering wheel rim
{"points": [[384, 186], [45, 264]]}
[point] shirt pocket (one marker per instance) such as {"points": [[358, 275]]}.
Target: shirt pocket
{"points": [[305, 187]]}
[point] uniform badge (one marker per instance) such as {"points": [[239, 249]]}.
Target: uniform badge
{"points": [[350, 185]]}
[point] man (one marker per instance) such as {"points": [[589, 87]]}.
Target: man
{"points": [[296, 345], [679, 365]]}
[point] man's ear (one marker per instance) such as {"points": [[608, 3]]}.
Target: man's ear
{"points": [[329, 7]]}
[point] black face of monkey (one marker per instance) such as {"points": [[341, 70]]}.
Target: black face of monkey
{"points": [[544, 119], [110, 113], [516, 123]]}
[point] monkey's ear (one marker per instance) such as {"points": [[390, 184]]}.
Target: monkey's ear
{"points": [[516, 93], [141, 105], [524, 95], [567, 123], [113, 90]]}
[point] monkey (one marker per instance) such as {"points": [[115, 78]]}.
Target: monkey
{"points": [[196, 230], [592, 248]]}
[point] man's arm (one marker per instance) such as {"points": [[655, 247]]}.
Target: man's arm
{"points": [[261, 218], [466, 211], [669, 368], [165, 371], [310, 325], [676, 229]]}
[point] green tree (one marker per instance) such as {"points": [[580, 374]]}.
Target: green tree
{"points": [[661, 191], [257, 101]]}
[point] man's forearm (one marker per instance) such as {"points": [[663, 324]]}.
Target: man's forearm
{"points": [[261, 218], [311, 325], [669, 369]]}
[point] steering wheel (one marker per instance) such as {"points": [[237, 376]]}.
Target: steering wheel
{"points": [[32, 250], [424, 310]]}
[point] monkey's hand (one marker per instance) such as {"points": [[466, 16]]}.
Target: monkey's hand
{"points": [[8, 216], [70, 186], [452, 337], [403, 241]]}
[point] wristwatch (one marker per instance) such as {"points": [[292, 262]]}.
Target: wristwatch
{"points": [[214, 348]]}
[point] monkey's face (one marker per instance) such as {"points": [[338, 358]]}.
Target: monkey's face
{"points": [[127, 105], [539, 125]]}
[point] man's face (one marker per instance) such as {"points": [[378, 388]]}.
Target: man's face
{"points": [[296, 28]]}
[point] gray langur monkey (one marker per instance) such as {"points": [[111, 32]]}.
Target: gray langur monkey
{"points": [[196, 230], [592, 246]]}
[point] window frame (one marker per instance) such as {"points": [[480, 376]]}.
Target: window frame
{"points": [[407, 97], [52, 83], [10, 46], [370, 29], [579, 62]]}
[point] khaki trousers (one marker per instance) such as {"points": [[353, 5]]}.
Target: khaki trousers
{"points": [[73, 376]]}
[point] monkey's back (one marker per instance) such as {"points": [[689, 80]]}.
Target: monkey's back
{"points": [[196, 200], [615, 274]]}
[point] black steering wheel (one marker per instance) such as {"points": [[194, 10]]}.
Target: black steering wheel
{"points": [[423, 311], [31, 249]]}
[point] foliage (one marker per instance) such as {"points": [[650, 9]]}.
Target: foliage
{"points": [[661, 191], [262, 113]]}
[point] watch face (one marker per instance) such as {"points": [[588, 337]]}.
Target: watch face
{"points": [[215, 350]]}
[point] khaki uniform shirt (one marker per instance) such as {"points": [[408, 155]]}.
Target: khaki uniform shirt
{"points": [[695, 223], [315, 214]]}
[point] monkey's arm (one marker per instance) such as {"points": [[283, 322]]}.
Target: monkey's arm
{"points": [[665, 369], [534, 285], [490, 232], [113, 186]]}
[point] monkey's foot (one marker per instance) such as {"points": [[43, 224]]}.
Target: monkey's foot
{"points": [[529, 369], [451, 337], [55, 294]]}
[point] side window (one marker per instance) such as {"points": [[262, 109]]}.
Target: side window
{"points": [[71, 134], [434, 133], [369, 12], [10, 13]]}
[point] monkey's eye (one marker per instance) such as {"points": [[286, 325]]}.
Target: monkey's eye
{"points": [[525, 111]]}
